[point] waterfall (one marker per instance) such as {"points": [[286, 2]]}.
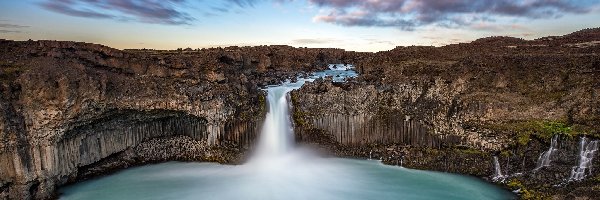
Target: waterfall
{"points": [[497, 171], [587, 150], [277, 133], [544, 160]]}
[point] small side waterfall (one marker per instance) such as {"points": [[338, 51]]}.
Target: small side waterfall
{"points": [[587, 150], [544, 160], [497, 171]]}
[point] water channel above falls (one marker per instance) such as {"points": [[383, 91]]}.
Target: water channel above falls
{"points": [[278, 170]]}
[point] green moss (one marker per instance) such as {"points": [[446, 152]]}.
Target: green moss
{"points": [[544, 129], [505, 153], [523, 138], [514, 184], [262, 102], [431, 151], [596, 179], [524, 131], [527, 194], [298, 116], [550, 128], [585, 130], [469, 151]]}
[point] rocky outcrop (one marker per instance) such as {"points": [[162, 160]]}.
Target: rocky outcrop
{"points": [[453, 108], [73, 110]]}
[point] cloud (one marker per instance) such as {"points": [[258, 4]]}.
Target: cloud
{"points": [[402, 14], [9, 31], [243, 3], [12, 26], [377, 41], [485, 26], [145, 11], [314, 41], [409, 14]]}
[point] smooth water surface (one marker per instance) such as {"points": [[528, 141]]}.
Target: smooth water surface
{"points": [[319, 178]]}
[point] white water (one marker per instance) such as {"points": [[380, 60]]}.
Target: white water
{"points": [[544, 159], [276, 139], [276, 136], [498, 176], [587, 150], [278, 170]]}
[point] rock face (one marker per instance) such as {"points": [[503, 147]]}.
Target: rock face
{"points": [[452, 108], [70, 111]]}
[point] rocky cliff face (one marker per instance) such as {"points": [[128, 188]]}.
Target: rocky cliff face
{"points": [[452, 108], [70, 110]]}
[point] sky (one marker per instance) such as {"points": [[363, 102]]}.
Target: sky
{"points": [[357, 25]]}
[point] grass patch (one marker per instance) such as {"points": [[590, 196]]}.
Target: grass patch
{"points": [[540, 129]]}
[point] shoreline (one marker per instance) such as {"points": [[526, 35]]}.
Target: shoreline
{"points": [[378, 162]]}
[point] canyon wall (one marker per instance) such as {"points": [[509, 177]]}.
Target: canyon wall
{"points": [[453, 108], [71, 111]]}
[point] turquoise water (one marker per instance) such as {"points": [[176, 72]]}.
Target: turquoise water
{"points": [[321, 178]]}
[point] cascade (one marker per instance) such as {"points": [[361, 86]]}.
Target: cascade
{"points": [[276, 139], [544, 159], [587, 150], [276, 135], [497, 171]]}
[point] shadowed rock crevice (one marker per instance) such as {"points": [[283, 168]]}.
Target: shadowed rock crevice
{"points": [[119, 139]]}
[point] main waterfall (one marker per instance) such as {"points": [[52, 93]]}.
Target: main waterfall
{"points": [[276, 138], [277, 133]]}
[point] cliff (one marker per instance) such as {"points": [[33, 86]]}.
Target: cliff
{"points": [[69, 111], [453, 108]]}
